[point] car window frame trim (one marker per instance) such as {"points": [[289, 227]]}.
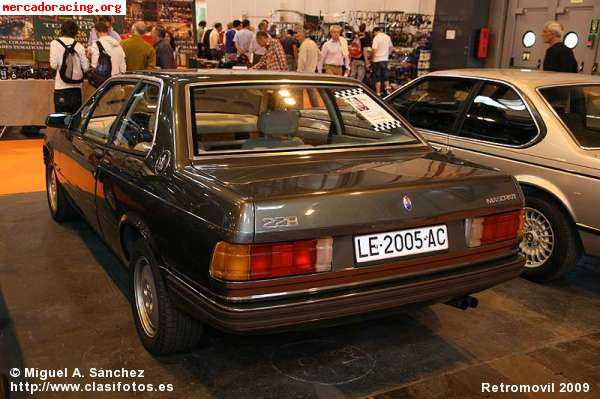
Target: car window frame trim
{"points": [[111, 144], [541, 126], [551, 108], [138, 79], [415, 82], [101, 91], [191, 156]]}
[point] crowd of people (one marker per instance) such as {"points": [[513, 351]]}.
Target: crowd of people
{"points": [[108, 53], [364, 54]]}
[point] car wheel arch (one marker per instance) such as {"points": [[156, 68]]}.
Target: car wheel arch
{"points": [[131, 228], [549, 189], [555, 196]]}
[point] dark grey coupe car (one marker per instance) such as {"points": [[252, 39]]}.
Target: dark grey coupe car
{"points": [[254, 202]]}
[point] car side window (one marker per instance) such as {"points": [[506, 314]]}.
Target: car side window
{"points": [[136, 130], [499, 115], [106, 110], [434, 103]]}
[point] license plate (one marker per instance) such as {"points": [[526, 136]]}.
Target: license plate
{"points": [[396, 244]]}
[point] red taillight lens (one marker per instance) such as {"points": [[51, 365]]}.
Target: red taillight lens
{"points": [[494, 228], [261, 261]]}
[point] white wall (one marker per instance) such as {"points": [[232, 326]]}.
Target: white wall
{"points": [[228, 10]]}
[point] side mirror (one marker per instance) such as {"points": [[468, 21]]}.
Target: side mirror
{"points": [[58, 120]]}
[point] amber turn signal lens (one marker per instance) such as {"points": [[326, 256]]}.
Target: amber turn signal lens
{"points": [[494, 228], [241, 262]]}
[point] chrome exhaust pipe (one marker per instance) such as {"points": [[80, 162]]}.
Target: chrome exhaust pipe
{"points": [[464, 303]]}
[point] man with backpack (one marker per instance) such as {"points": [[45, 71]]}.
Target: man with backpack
{"points": [[206, 43], [67, 57], [108, 57]]}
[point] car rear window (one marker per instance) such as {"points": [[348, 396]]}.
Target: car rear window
{"points": [[579, 108], [289, 117]]}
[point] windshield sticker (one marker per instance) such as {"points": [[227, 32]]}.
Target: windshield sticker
{"points": [[378, 117]]}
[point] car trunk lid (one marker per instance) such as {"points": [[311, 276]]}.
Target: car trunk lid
{"points": [[311, 196]]}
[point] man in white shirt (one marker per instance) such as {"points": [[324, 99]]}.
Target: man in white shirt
{"points": [[243, 38], [215, 42], [256, 49], [111, 46], [382, 48], [67, 96], [334, 54], [309, 54], [108, 21]]}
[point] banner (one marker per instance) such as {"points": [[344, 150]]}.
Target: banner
{"points": [[36, 32]]}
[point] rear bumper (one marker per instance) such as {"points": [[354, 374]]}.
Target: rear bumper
{"points": [[273, 315]]}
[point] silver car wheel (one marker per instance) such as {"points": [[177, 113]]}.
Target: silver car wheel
{"points": [[146, 299], [52, 188], [538, 241]]}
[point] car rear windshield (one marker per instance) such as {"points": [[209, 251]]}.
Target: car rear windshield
{"points": [[579, 108], [290, 117]]}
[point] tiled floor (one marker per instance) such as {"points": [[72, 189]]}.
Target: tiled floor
{"points": [[63, 303]]}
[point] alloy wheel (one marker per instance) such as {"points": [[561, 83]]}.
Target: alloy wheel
{"points": [[538, 241], [52, 188], [146, 298]]}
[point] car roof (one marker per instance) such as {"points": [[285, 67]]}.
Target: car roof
{"points": [[222, 75], [522, 77]]}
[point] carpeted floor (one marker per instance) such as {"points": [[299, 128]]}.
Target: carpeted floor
{"points": [[21, 166]]}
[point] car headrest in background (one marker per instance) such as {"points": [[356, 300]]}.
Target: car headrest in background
{"points": [[279, 123]]}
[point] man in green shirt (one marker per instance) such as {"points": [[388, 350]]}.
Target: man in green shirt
{"points": [[139, 55]]}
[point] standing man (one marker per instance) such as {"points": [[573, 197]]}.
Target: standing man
{"points": [[67, 95], [243, 38], [333, 55], [256, 49], [111, 46], [274, 58], [201, 29], [108, 21], [215, 42], [230, 50], [558, 58], [382, 48], [290, 46], [309, 54], [139, 55]]}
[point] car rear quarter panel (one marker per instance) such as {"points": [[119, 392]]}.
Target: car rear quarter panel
{"points": [[555, 165]]}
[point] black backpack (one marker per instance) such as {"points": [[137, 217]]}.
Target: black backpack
{"points": [[206, 39], [103, 69], [71, 64]]}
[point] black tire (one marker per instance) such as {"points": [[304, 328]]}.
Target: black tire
{"points": [[63, 211], [566, 250], [175, 331]]}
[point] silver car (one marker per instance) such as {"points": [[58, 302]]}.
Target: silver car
{"points": [[542, 127]]}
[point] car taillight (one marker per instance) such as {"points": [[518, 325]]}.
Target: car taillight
{"points": [[494, 228], [242, 262]]}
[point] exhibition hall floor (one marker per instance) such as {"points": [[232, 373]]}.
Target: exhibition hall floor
{"points": [[64, 304]]}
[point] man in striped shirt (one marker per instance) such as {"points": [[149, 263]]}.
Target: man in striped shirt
{"points": [[274, 58]]}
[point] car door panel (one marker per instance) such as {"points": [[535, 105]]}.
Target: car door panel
{"points": [[123, 171]]}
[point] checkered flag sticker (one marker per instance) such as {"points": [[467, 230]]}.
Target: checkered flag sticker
{"points": [[387, 125], [348, 93]]}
